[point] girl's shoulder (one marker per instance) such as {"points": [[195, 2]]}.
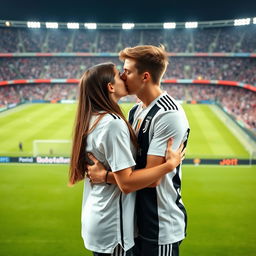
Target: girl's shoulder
{"points": [[113, 121]]}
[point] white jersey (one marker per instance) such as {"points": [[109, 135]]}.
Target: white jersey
{"points": [[160, 212], [107, 213]]}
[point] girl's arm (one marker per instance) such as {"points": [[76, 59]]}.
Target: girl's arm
{"points": [[129, 180]]}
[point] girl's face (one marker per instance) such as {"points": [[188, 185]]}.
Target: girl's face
{"points": [[118, 89]]}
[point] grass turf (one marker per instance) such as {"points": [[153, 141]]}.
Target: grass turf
{"points": [[209, 137], [40, 215]]}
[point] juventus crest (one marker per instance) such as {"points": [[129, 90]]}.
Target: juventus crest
{"points": [[147, 122]]}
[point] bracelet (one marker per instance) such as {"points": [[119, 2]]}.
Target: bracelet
{"points": [[106, 178]]}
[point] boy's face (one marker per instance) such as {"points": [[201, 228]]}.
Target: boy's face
{"points": [[131, 78]]}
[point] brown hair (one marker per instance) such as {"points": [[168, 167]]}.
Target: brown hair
{"points": [[148, 58], [93, 97]]}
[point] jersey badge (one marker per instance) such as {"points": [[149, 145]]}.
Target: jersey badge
{"points": [[147, 122]]}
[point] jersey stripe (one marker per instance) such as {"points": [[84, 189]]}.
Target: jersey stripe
{"points": [[167, 103], [172, 102], [146, 199], [121, 220], [132, 113], [165, 250], [162, 105], [114, 116], [177, 185]]}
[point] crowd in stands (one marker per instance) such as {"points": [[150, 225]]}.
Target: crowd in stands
{"points": [[224, 39], [237, 101], [233, 69], [51, 67], [37, 92]]}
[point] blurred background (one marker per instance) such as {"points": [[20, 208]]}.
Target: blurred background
{"points": [[45, 49]]}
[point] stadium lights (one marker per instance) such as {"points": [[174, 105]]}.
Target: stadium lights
{"points": [[168, 25], [33, 24], [254, 20], [191, 24], [128, 25], [51, 24], [90, 25], [7, 23], [73, 25], [242, 22]]}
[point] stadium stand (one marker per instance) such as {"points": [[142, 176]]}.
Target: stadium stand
{"points": [[225, 39], [233, 69], [228, 40]]}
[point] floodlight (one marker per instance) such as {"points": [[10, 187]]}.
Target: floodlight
{"points": [[168, 25], [73, 25], [7, 23], [128, 25], [242, 22], [254, 20], [90, 25], [33, 24], [191, 24], [51, 24]]}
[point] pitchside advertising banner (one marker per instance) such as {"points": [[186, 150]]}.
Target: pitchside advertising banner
{"points": [[35, 160], [66, 160]]}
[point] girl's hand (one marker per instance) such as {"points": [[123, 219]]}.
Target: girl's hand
{"points": [[96, 172], [174, 158]]}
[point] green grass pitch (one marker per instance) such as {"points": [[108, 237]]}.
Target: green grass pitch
{"points": [[40, 214], [209, 136]]}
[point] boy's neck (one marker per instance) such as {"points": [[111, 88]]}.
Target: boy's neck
{"points": [[149, 94]]}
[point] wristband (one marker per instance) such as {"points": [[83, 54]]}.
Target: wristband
{"points": [[106, 178]]}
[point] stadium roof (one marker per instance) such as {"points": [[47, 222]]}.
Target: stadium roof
{"points": [[112, 11]]}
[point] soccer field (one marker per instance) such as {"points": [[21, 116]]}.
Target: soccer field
{"points": [[40, 215], [209, 137]]}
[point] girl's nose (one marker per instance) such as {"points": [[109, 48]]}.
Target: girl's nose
{"points": [[123, 76]]}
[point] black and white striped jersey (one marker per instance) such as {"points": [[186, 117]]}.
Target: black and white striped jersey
{"points": [[161, 215]]}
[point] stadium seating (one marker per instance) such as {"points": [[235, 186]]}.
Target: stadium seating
{"points": [[224, 39], [238, 40]]}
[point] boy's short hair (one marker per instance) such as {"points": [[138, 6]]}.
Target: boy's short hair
{"points": [[148, 58]]}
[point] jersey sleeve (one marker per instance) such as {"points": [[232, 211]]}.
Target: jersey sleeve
{"points": [[117, 146], [168, 125]]}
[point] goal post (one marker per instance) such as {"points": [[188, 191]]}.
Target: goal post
{"points": [[52, 147]]}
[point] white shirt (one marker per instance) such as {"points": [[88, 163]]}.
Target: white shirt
{"points": [[107, 213]]}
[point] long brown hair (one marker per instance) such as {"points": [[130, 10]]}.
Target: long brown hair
{"points": [[93, 98]]}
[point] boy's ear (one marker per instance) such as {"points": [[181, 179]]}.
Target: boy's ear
{"points": [[146, 76], [110, 87]]}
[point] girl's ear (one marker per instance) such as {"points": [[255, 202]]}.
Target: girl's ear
{"points": [[110, 87]]}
